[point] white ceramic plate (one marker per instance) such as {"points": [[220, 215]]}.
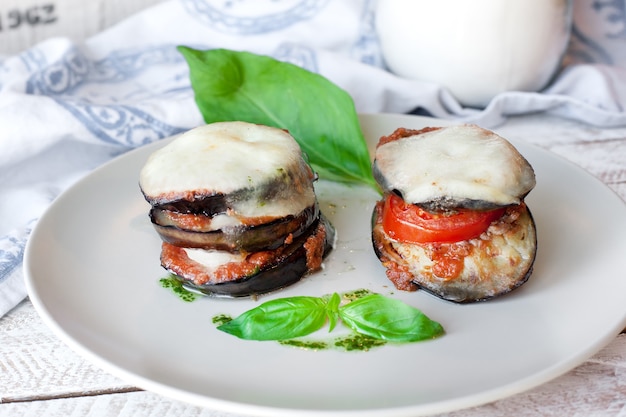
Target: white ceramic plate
{"points": [[92, 270]]}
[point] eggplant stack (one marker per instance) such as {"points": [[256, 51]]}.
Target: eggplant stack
{"points": [[453, 220], [235, 207]]}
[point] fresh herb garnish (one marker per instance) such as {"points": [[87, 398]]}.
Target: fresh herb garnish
{"points": [[388, 319], [231, 85], [280, 319], [373, 315]]}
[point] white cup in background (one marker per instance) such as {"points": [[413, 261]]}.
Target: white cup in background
{"points": [[475, 48]]}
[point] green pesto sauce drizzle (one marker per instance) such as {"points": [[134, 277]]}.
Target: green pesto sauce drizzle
{"points": [[356, 294], [305, 344], [221, 319], [177, 288], [348, 343], [358, 342]]}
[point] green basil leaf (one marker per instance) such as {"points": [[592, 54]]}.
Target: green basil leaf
{"points": [[332, 310], [231, 85], [279, 319], [388, 319]]}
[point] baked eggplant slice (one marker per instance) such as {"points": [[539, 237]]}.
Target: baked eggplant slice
{"points": [[257, 273], [237, 237]]}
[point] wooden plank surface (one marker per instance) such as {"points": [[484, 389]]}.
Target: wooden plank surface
{"points": [[40, 376]]}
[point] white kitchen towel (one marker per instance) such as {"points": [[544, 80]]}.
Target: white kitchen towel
{"points": [[67, 107]]}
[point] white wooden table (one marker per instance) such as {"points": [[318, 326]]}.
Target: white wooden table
{"points": [[40, 376]]}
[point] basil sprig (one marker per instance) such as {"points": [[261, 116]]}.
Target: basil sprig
{"points": [[231, 85], [373, 315]]}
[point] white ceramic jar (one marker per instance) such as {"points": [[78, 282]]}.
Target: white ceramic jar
{"points": [[475, 48]]}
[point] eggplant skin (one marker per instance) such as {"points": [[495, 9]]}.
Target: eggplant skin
{"points": [[295, 261], [497, 262], [266, 236]]}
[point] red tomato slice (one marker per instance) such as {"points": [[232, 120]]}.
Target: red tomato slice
{"points": [[411, 224]]}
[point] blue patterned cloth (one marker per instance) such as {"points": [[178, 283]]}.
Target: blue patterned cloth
{"points": [[67, 107]]}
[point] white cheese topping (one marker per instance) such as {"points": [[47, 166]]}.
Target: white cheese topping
{"points": [[220, 221], [213, 259], [457, 163], [227, 157]]}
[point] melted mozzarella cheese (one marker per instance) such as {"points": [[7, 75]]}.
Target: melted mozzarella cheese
{"points": [[228, 157], [222, 157], [221, 221], [457, 163], [213, 259]]}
